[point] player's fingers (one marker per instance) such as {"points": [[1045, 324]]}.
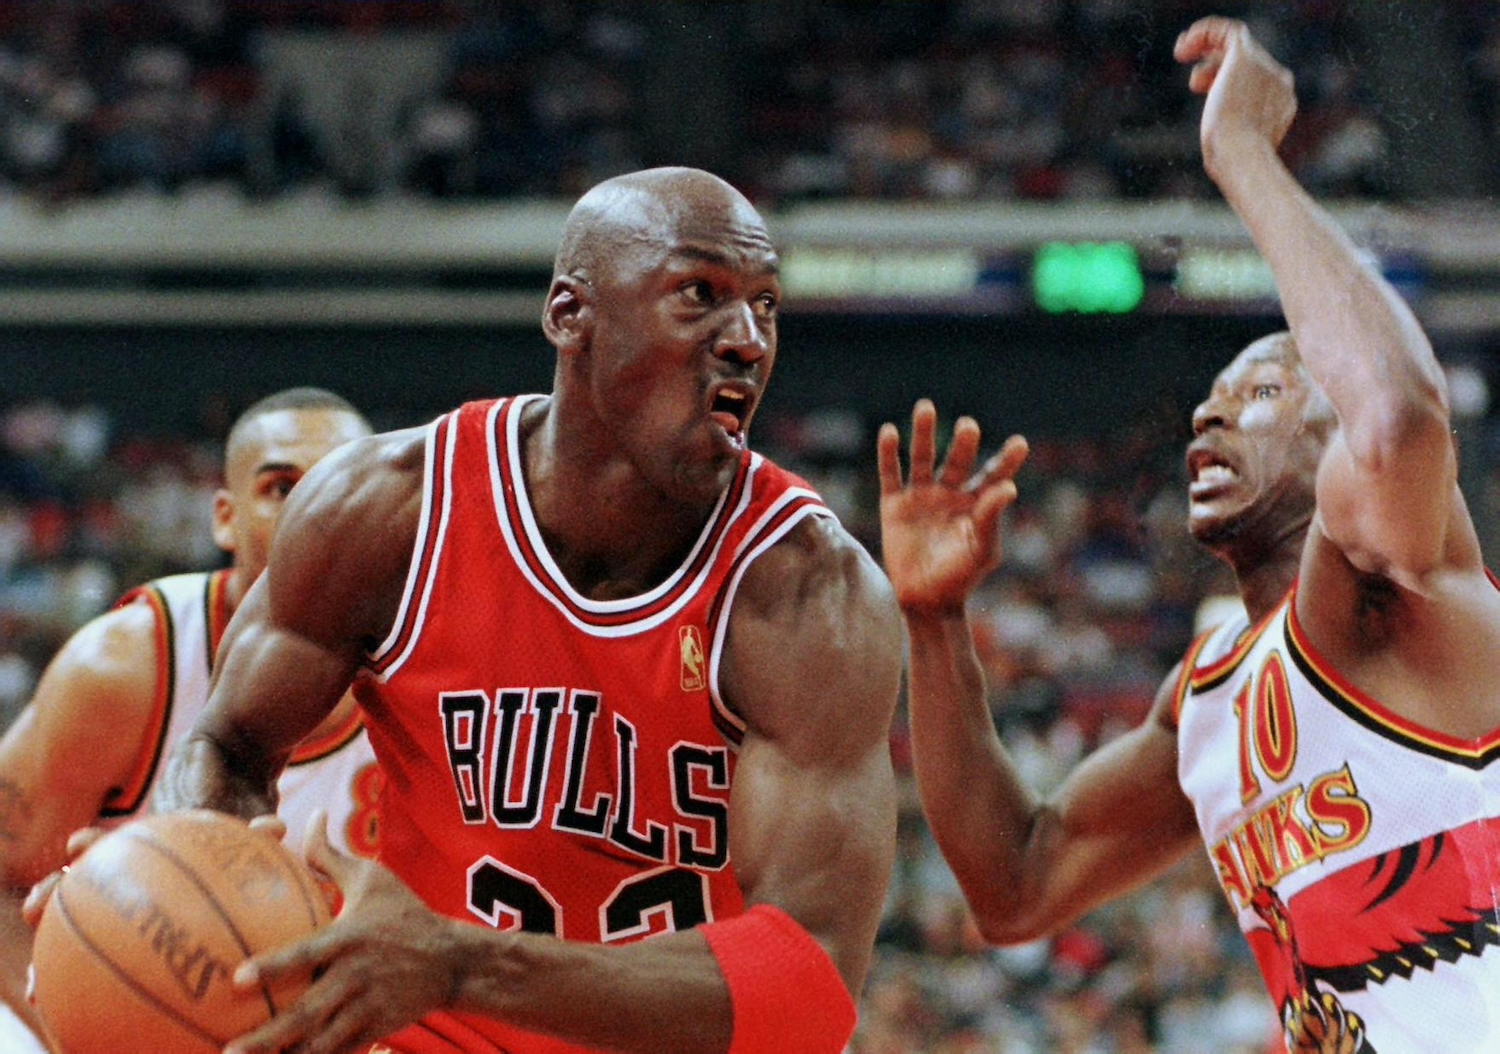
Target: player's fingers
{"points": [[298, 959], [963, 451], [36, 899], [923, 441], [1003, 464], [80, 840], [349, 1028], [291, 1027], [888, 455], [327, 861], [1205, 37], [994, 501], [1201, 79], [269, 824]]}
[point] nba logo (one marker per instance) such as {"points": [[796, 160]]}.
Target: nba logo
{"points": [[692, 658]]}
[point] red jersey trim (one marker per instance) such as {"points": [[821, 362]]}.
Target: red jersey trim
{"points": [[330, 742], [1367, 711], [1216, 672], [216, 613], [789, 509], [427, 551], [129, 797], [1184, 683], [626, 616]]}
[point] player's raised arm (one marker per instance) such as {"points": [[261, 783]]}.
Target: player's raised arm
{"points": [[294, 645], [1387, 491], [1027, 867]]}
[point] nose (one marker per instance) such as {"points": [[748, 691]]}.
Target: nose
{"points": [[1210, 413], [743, 340]]}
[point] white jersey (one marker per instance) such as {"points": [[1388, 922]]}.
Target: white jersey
{"points": [[336, 772], [1360, 851]]}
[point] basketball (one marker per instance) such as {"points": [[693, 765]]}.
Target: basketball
{"points": [[138, 943]]}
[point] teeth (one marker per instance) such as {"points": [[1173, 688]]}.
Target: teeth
{"points": [[738, 397], [1217, 474]]}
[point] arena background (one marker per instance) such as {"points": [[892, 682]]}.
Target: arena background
{"points": [[996, 203]]}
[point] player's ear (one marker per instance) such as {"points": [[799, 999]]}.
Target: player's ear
{"points": [[224, 520], [568, 313]]}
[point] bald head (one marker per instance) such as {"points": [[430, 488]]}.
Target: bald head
{"points": [[650, 209]]}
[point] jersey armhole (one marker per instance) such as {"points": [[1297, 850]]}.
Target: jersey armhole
{"points": [[432, 527], [128, 798], [791, 509]]}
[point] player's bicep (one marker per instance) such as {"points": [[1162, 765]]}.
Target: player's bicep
{"points": [[816, 841], [816, 673], [337, 564], [1391, 514], [1123, 809], [1118, 820], [273, 679]]}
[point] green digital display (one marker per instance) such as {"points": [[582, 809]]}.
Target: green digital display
{"points": [[1087, 277]]}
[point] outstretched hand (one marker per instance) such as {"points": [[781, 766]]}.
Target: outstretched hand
{"points": [[382, 964], [940, 529], [1250, 96]]}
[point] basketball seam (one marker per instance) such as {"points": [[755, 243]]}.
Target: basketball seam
{"points": [[130, 982], [146, 838]]}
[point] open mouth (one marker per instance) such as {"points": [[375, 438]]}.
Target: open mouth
{"points": [[730, 409], [1209, 472]]}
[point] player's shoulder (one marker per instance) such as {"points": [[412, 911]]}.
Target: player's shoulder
{"points": [[820, 576], [372, 475], [114, 657], [399, 450], [121, 636]]}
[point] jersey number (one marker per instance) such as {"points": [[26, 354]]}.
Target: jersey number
{"points": [[665, 900], [1268, 727]]}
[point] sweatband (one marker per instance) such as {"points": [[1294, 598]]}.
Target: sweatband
{"points": [[786, 993]]}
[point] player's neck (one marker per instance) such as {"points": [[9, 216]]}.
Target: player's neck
{"points": [[611, 534], [236, 585], [1265, 578]]}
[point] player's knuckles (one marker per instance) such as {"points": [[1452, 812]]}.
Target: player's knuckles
{"points": [[36, 899]]}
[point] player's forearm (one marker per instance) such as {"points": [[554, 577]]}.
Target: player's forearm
{"points": [[15, 955], [663, 994], [1356, 335], [980, 812]]}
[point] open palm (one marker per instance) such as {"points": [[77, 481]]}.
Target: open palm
{"points": [[939, 528]]}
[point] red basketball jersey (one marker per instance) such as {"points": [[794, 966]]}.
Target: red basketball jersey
{"points": [[554, 763]]}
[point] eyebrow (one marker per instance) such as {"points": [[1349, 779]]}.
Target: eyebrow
{"points": [[277, 466], [721, 259]]}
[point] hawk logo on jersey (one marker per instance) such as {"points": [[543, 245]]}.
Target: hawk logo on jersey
{"points": [[1313, 1021], [1410, 909], [693, 679]]}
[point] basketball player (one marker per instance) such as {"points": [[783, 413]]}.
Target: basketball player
{"points": [[87, 749], [626, 679], [1336, 752]]}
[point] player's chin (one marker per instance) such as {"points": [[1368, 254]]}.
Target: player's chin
{"points": [[704, 478], [1212, 525]]}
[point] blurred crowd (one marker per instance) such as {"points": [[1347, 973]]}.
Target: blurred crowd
{"points": [[1097, 599], [949, 99]]}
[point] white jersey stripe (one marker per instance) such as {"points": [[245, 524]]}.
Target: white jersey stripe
{"points": [[448, 439]]}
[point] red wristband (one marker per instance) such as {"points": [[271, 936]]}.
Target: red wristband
{"points": [[786, 992]]}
